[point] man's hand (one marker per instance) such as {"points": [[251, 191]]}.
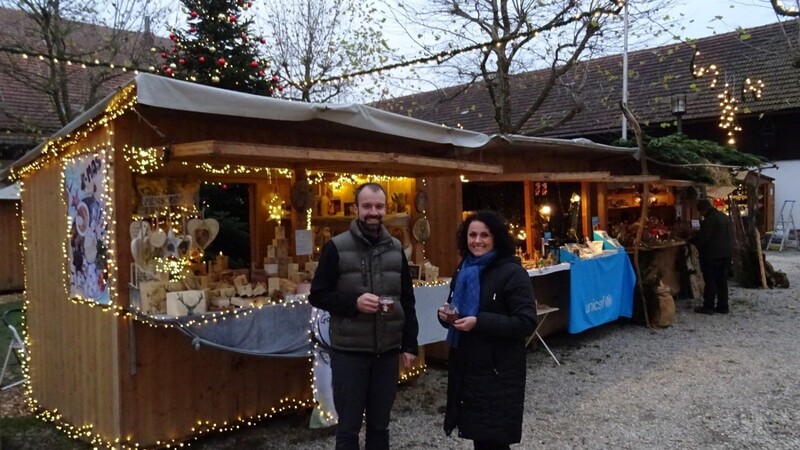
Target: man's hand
{"points": [[408, 360], [367, 303]]}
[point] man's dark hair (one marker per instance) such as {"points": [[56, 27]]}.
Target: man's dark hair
{"points": [[372, 186], [503, 242], [703, 206]]}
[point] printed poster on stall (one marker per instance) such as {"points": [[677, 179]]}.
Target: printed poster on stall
{"points": [[85, 189]]}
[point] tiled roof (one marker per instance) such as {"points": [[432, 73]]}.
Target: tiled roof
{"points": [[24, 110], [654, 76]]}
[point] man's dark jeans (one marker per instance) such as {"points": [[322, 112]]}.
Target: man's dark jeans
{"points": [[715, 276], [364, 382]]}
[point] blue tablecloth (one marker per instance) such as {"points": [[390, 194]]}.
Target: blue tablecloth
{"points": [[601, 290]]}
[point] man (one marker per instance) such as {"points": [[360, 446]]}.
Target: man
{"points": [[355, 268], [713, 241]]}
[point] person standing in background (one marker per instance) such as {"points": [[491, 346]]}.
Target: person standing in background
{"points": [[494, 312], [356, 268], [713, 242]]}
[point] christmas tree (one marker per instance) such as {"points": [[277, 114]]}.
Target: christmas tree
{"points": [[217, 49]]}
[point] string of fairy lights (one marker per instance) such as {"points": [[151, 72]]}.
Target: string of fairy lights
{"points": [[728, 100], [438, 57]]}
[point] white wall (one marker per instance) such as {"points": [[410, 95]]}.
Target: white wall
{"points": [[787, 187]]}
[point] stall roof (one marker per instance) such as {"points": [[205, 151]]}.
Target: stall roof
{"points": [[10, 192], [166, 93]]}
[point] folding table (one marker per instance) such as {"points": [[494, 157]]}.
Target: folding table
{"points": [[542, 311]]}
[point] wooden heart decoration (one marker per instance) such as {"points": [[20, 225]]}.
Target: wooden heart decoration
{"points": [[202, 231]]}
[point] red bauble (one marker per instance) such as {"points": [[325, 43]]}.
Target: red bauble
{"points": [[221, 61], [168, 71], [280, 88], [232, 18], [182, 61], [263, 40], [269, 91], [254, 64], [173, 36], [192, 29], [261, 73], [202, 59], [194, 14], [275, 78], [164, 55]]}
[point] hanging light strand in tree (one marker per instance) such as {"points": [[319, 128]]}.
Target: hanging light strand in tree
{"points": [[728, 101]]}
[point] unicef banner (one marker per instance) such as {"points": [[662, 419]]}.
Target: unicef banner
{"points": [[601, 291]]}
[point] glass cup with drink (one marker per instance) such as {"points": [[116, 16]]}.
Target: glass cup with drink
{"points": [[451, 313], [386, 304]]}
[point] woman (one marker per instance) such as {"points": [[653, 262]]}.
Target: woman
{"points": [[494, 300]]}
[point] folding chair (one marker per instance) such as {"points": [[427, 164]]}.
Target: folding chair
{"points": [[542, 311], [16, 346]]}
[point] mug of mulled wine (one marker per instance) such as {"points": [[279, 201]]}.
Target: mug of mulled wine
{"points": [[451, 313], [386, 304]]}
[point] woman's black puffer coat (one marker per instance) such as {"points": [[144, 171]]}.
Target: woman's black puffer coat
{"points": [[486, 374]]}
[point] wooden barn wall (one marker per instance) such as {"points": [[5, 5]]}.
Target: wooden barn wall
{"points": [[72, 346], [11, 273]]}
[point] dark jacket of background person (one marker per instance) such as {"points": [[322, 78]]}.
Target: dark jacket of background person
{"points": [[486, 375], [350, 265], [713, 240]]}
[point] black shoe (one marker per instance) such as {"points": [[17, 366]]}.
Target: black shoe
{"points": [[704, 310], [721, 310]]}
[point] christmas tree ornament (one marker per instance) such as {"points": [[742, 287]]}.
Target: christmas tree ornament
{"points": [[254, 64], [212, 49], [182, 61], [215, 79], [202, 59], [221, 61]]}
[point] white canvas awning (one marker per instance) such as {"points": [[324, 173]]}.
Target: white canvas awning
{"points": [[345, 118]]}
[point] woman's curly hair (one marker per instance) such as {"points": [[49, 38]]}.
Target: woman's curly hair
{"points": [[503, 241]]}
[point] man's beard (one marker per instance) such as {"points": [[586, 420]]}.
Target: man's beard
{"points": [[374, 227]]}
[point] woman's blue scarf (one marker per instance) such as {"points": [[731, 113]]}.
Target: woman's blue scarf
{"points": [[467, 293]]}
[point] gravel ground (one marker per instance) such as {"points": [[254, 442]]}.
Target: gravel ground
{"points": [[711, 382]]}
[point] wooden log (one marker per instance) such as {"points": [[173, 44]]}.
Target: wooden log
{"points": [[760, 260]]}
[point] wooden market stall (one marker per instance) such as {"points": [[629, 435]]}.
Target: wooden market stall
{"points": [[105, 366]]}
